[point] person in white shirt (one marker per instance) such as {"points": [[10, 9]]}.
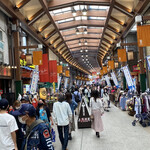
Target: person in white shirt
{"points": [[62, 115], [96, 111], [8, 128]]}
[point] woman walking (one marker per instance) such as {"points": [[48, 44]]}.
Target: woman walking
{"points": [[96, 111]]}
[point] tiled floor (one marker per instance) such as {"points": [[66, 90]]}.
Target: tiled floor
{"points": [[119, 134]]}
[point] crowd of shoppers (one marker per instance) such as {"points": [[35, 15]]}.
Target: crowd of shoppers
{"points": [[29, 126]]}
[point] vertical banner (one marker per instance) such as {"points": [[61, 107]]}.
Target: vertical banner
{"points": [[107, 80], [43, 69], [52, 71], [59, 82], [67, 73], [101, 72], [115, 79], [148, 62], [37, 58], [34, 81], [128, 78], [122, 56], [66, 83]]}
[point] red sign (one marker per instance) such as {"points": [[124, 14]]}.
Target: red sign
{"points": [[52, 71], [44, 72]]}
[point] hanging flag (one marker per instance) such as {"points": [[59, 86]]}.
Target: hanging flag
{"points": [[52, 71], [37, 57], [59, 69], [105, 70], [111, 65], [143, 35], [115, 79], [43, 69], [122, 56], [67, 73]]}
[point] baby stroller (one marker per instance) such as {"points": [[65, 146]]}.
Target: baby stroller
{"points": [[144, 119]]}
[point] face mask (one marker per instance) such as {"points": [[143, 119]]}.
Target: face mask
{"points": [[21, 121]]}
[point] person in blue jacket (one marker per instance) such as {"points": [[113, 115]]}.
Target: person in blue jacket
{"points": [[73, 105], [37, 135]]}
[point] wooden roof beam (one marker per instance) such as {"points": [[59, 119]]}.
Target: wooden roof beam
{"points": [[35, 17], [113, 30], [82, 46], [90, 13], [128, 12], [57, 4], [44, 27], [118, 21], [82, 38], [21, 4], [109, 36], [48, 36], [74, 24], [55, 40], [59, 44], [109, 42]]}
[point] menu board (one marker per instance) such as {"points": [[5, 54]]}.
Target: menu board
{"points": [[115, 79], [107, 80], [128, 78]]}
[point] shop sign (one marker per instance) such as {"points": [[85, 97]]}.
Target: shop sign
{"points": [[136, 68], [23, 62], [37, 57], [111, 65], [43, 93], [4, 71], [84, 120]]}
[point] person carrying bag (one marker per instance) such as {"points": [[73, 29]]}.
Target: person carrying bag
{"points": [[96, 112]]}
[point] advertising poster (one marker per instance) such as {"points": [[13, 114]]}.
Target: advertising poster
{"points": [[115, 79], [34, 82], [128, 77], [107, 80], [148, 62]]}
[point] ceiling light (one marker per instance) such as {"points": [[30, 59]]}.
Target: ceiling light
{"points": [[81, 51], [84, 11], [86, 59], [85, 42], [86, 55], [79, 42], [85, 31], [74, 13], [86, 50], [77, 31], [82, 56]]}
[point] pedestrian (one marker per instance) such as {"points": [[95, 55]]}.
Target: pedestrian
{"points": [[62, 114], [73, 106], [8, 128], [89, 95], [96, 113], [77, 98], [37, 133], [44, 114]]}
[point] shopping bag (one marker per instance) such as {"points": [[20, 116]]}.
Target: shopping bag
{"points": [[53, 136]]}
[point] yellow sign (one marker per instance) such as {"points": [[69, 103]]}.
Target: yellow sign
{"points": [[43, 93]]}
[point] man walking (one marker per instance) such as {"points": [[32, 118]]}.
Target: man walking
{"points": [[8, 128], [62, 114]]}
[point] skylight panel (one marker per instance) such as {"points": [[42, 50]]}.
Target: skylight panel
{"points": [[84, 17], [57, 11], [78, 18], [77, 7]]}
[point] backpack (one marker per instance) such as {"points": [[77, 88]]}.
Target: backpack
{"points": [[77, 99], [43, 116]]}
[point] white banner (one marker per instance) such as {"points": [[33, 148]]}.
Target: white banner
{"points": [[59, 81], [107, 80], [128, 77], [66, 83], [34, 82], [115, 79]]}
